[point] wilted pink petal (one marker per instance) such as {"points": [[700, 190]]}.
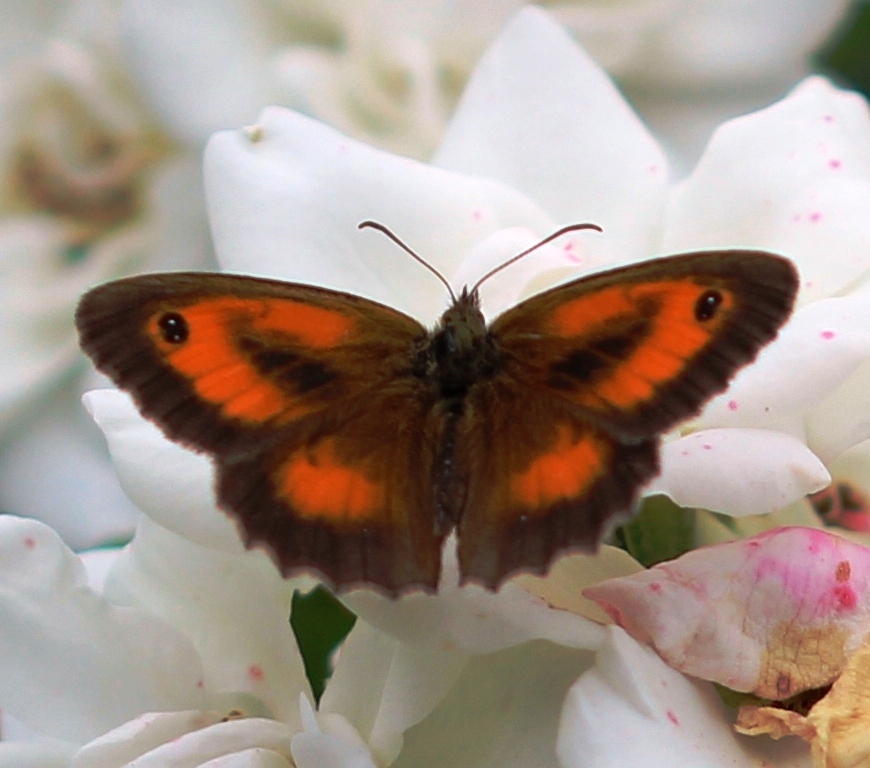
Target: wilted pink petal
{"points": [[841, 720], [837, 726], [774, 615]]}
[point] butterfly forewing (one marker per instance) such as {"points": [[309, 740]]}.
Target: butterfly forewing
{"points": [[643, 347], [306, 399]]}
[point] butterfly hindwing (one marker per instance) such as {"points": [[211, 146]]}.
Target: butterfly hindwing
{"points": [[540, 479], [306, 400], [643, 347]]}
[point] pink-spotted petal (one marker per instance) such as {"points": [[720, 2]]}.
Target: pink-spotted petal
{"points": [[774, 615]]}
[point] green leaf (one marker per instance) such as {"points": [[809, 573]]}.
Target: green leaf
{"points": [[320, 623], [846, 55], [661, 531]]}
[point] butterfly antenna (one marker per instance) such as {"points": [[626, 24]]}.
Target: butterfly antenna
{"points": [[384, 230], [548, 239]]}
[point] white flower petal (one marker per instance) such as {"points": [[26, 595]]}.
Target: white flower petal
{"points": [[503, 711], [541, 116], [738, 471], [243, 634], [73, 665], [317, 747], [253, 757], [383, 686], [473, 619], [98, 563], [793, 178], [410, 652], [141, 735], [197, 742], [632, 709], [825, 342], [562, 586], [292, 182], [741, 613]]}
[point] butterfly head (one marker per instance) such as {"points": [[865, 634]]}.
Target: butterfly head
{"points": [[460, 349]]}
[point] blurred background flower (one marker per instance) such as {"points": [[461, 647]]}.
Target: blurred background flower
{"points": [[105, 108], [91, 188]]}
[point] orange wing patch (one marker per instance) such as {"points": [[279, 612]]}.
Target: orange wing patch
{"points": [[220, 374], [313, 326], [565, 471], [317, 485]]}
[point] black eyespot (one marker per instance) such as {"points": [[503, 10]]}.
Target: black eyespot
{"points": [[707, 304], [173, 328]]}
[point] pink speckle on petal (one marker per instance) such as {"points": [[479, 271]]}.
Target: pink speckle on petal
{"points": [[672, 717], [707, 447], [797, 217], [654, 169], [845, 596], [655, 587], [477, 214], [200, 684], [815, 216], [834, 163], [684, 452], [827, 335], [30, 542], [732, 405], [828, 118], [571, 253], [255, 672]]}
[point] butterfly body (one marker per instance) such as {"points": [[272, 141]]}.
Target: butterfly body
{"points": [[351, 440]]}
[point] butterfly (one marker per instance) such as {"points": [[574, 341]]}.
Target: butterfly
{"points": [[351, 440]]}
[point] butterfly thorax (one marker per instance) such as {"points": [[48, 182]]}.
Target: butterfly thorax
{"points": [[459, 350]]}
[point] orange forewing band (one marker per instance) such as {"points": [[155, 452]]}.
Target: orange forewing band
{"points": [[220, 375], [677, 334]]}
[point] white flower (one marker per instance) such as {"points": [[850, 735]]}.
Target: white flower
{"points": [[285, 198], [464, 677], [167, 636]]}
